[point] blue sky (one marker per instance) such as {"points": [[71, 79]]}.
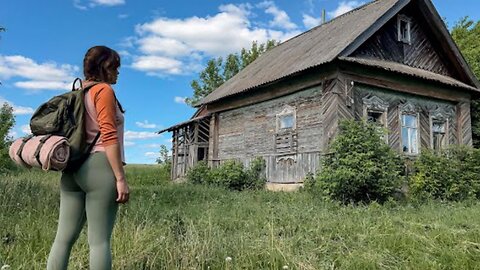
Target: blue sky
{"points": [[163, 44]]}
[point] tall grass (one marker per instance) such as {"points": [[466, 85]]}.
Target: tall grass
{"points": [[182, 226]]}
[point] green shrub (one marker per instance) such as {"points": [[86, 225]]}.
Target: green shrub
{"points": [[453, 174], [361, 167], [199, 174], [231, 175], [256, 177]]}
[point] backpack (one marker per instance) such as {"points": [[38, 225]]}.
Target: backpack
{"points": [[64, 115]]}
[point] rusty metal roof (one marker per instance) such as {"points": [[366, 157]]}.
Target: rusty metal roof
{"points": [[317, 46]]}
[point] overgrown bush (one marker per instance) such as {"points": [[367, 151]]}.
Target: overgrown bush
{"points": [[231, 174], [361, 167], [453, 174], [256, 177], [199, 174]]}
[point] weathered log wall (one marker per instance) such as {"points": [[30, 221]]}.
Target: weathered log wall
{"points": [[249, 132]]}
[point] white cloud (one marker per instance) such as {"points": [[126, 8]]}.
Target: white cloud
{"points": [[45, 76], [180, 100], [107, 2], [157, 64], [163, 46], [84, 4], [344, 7], [26, 129], [310, 21], [146, 124], [17, 110], [128, 143], [135, 135], [280, 17], [179, 45], [152, 145], [44, 85], [152, 154], [123, 16]]}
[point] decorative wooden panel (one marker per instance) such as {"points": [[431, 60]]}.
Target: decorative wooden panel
{"points": [[293, 168]]}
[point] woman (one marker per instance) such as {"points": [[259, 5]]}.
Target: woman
{"points": [[92, 193]]}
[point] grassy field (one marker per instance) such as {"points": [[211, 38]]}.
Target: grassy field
{"points": [[181, 226]]}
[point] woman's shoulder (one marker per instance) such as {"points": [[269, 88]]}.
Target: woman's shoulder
{"points": [[101, 87]]}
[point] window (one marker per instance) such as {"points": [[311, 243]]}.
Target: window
{"points": [[286, 136], [286, 121], [438, 134], [375, 117], [409, 134], [403, 25]]}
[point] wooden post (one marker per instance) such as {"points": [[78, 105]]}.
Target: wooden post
{"points": [[175, 155]]}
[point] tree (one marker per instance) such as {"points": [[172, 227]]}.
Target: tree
{"points": [[466, 34], [7, 121], [219, 71], [164, 158]]}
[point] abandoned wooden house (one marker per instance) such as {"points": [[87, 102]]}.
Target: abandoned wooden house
{"points": [[390, 61]]}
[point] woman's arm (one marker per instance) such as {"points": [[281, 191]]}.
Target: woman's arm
{"points": [[114, 158], [106, 107]]}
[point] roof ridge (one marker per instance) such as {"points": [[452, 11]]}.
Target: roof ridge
{"points": [[330, 21]]}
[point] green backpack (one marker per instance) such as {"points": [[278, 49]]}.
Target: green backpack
{"points": [[64, 115]]}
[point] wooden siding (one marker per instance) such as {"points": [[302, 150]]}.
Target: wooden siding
{"points": [[420, 53], [464, 123], [336, 105], [249, 132]]}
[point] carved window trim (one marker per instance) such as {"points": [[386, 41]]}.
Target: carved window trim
{"points": [[409, 109], [288, 111], [439, 116], [286, 138], [404, 25], [376, 105]]}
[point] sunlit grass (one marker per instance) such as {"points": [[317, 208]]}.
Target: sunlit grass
{"points": [[181, 226]]}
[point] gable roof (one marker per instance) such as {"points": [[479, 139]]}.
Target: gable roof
{"points": [[323, 44]]}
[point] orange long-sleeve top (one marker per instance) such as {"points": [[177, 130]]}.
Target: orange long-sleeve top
{"points": [[104, 115]]}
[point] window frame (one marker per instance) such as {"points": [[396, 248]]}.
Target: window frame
{"points": [[287, 111], [407, 40], [417, 127], [376, 105], [438, 117]]}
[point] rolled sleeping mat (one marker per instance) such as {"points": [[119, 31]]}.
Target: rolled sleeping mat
{"points": [[48, 152]]}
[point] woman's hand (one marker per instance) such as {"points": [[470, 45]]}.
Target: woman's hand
{"points": [[123, 193]]}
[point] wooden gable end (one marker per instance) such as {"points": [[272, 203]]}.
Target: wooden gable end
{"points": [[422, 50]]}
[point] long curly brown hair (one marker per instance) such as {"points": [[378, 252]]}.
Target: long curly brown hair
{"points": [[100, 64]]}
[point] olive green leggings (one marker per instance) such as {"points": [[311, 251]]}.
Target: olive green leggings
{"points": [[86, 195]]}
